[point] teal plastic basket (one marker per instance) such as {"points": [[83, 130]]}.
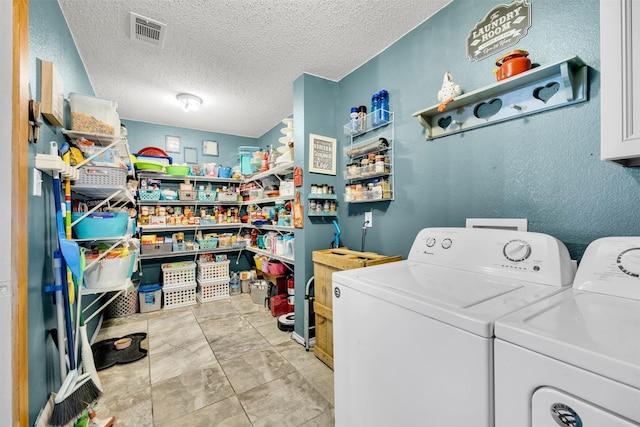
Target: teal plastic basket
{"points": [[100, 224]]}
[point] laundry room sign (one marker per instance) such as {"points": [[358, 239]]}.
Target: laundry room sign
{"points": [[501, 28]]}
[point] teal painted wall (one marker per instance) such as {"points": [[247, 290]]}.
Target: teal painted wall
{"points": [[545, 167], [314, 113], [140, 135], [50, 40]]}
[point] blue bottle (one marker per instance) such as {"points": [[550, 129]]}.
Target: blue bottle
{"points": [[375, 106], [384, 107]]}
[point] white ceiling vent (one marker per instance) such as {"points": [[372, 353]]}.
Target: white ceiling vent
{"points": [[147, 30]]}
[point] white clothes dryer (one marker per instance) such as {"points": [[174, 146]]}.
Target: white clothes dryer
{"points": [[573, 360], [413, 340]]}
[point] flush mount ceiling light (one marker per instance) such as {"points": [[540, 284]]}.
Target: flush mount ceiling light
{"points": [[189, 102]]}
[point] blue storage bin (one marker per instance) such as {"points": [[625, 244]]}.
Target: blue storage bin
{"points": [[150, 297], [100, 224], [224, 172]]}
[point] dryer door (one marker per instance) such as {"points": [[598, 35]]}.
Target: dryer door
{"points": [[551, 407]]}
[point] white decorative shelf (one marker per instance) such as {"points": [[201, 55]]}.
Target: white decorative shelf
{"points": [[540, 89]]}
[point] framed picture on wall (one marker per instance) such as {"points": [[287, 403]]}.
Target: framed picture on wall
{"points": [[190, 155], [172, 144], [322, 154], [209, 148]]}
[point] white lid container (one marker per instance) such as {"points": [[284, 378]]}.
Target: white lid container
{"points": [[94, 115]]}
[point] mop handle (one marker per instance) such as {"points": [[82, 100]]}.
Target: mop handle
{"points": [[57, 269], [65, 284]]}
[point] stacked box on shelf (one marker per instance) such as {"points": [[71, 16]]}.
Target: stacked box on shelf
{"points": [[179, 284], [206, 195], [208, 243], [188, 195], [152, 194], [213, 281], [105, 176]]}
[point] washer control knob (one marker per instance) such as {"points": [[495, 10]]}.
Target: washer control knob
{"points": [[446, 243], [517, 250], [431, 241], [629, 262]]}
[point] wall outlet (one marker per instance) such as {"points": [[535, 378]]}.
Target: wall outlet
{"points": [[368, 219]]}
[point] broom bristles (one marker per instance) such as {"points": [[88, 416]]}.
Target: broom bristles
{"points": [[83, 394]]}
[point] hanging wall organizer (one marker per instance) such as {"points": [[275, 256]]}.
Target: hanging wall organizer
{"points": [[539, 89]]}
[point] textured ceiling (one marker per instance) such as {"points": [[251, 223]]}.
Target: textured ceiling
{"points": [[240, 56]]}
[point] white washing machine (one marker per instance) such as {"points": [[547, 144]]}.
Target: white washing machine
{"points": [[413, 340], [573, 360]]}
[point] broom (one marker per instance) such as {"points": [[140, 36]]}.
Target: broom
{"points": [[88, 364], [77, 391]]}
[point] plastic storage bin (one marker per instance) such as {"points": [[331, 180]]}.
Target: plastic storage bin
{"points": [[256, 194], [206, 195], [178, 273], [109, 272], [101, 176], [210, 243], [212, 290], [179, 296], [224, 172], [150, 297], [213, 270], [100, 224], [227, 196], [259, 289], [187, 195], [94, 115], [152, 194], [156, 248]]}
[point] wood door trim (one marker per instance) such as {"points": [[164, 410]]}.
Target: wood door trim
{"points": [[19, 205]]}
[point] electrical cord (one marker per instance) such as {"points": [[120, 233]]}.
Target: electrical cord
{"points": [[364, 233]]}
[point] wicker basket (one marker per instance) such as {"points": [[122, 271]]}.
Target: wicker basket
{"points": [[125, 304]]}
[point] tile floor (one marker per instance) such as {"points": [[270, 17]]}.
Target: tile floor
{"points": [[221, 363]]}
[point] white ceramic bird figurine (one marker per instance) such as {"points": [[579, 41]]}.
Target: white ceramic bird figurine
{"points": [[448, 91]]}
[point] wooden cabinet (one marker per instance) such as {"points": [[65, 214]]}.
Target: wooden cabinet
{"points": [[325, 263], [620, 98]]}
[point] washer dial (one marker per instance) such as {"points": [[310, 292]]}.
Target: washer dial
{"points": [[446, 243], [517, 250], [629, 262], [431, 241]]}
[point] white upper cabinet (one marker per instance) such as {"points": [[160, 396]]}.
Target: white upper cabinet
{"points": [[619, 56]]}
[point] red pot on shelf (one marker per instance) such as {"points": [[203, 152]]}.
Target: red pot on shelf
{"points": [[512, 63]]}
